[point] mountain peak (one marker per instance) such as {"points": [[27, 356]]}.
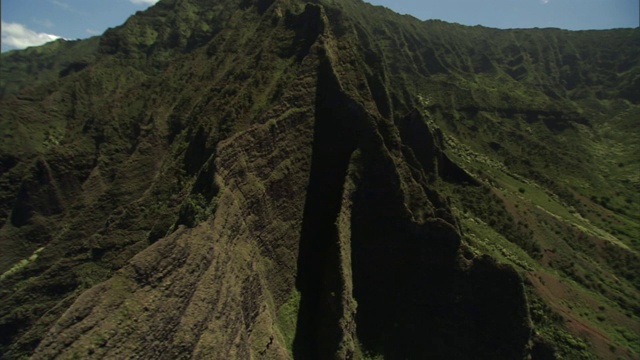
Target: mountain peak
{"points": [[286, 179]]}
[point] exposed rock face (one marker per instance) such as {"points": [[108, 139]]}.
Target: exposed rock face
{"points": [[262, 180]]}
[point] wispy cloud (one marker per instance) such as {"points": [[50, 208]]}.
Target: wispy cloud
{"points": [[43, 22], [544, 2], [92, 32], [18, 36], [144, 2], [67, 7], [61, 4]]}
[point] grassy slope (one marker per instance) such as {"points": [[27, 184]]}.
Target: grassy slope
{"points": [[44, 64], [544, 120], [135, 160]]}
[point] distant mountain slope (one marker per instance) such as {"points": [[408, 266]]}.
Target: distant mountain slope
{"points": [[280, 179], [44, 64]]}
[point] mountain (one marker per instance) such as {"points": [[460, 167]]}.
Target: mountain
{"points": [[326, 179]]}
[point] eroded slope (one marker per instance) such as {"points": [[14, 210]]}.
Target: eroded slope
{"points": [[275, 179]]}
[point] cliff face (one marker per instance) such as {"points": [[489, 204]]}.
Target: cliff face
{"points": [[275, 179]]}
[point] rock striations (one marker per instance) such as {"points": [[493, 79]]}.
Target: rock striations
{"points": [[275, 179]]}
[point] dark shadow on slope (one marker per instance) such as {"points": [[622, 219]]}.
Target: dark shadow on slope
{"points": [[415, 301], [308, 26], [37, 194], [319, 279], [415, 297], [428, 147], [397, 265]]}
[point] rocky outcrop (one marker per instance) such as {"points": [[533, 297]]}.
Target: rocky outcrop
{"points": [[318, 198], [291, 190]]}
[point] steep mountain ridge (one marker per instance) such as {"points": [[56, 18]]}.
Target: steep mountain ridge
{"points": [[275, 179]]}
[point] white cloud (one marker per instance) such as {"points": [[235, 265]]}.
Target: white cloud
{"points": [[544, 2], [144, 2], [18, 36]]}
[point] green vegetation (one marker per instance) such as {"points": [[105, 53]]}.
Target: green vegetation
{"points": [[320, 155], [44, 64], [287, 320], [550, 330], [22, 264]]}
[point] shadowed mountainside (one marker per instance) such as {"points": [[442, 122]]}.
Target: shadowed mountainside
{"points": [[280, 179]]}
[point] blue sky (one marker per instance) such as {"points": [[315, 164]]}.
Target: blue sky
{"points": [[33, 22], [565, 14]]}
